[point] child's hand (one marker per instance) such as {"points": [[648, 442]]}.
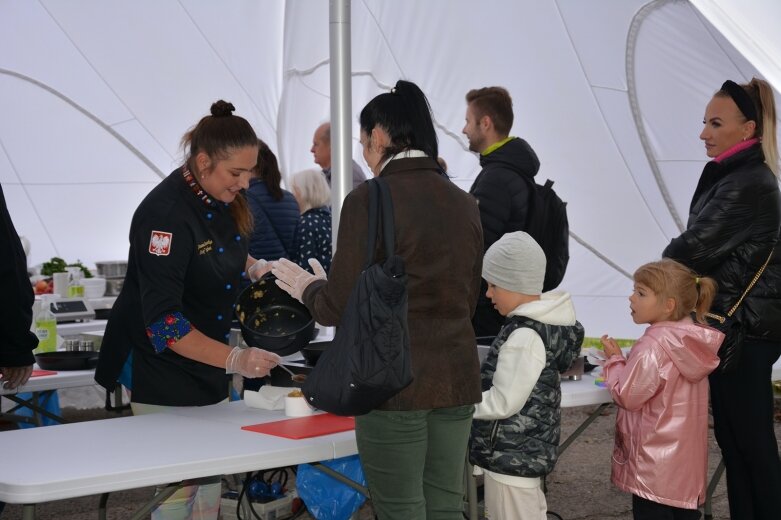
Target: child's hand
{"points": [[610, 346]]}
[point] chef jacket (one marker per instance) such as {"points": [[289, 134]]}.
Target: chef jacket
{"points": [[185, 268]]}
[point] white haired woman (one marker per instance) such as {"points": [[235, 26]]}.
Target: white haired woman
{"points": [[312, 238]]}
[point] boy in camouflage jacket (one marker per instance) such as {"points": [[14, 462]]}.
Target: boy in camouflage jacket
{"points": [[516, 427]]}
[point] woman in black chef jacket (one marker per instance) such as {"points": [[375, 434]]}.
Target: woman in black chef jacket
{"points": [[166, 339]]}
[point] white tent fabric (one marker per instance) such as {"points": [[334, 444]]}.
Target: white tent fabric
{"points": [[96, 96]]}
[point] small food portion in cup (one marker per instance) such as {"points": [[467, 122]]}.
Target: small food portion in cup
{"points": [[296, 393]]}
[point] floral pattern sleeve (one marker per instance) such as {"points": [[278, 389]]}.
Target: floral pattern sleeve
{"points": [[166, 331]]}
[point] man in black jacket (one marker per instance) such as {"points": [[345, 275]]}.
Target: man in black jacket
{"points": [[502, 187], [16, 340]]}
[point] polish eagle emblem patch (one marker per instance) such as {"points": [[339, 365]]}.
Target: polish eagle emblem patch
{"points": [[160, 243]]}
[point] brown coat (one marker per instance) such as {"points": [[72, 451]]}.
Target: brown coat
{"points": [[439, 236]]}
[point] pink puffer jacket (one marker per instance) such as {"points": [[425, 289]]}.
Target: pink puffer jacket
{"points": [[661, 451]]}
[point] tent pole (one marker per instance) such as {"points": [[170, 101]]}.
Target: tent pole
{"points": [[341, 107]]}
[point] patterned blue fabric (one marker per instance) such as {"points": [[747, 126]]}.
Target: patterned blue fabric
{"points": [[275, 222], [168, 330], [313, 238]]}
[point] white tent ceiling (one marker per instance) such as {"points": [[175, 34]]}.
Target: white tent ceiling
{"points": [[97, 94]]}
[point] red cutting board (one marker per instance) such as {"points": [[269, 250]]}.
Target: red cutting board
{"points": [[305, 427], [39, 373]]}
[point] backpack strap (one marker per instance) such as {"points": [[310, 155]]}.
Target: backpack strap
{"points": [[374, 204], [388, 230], [380, 213]]}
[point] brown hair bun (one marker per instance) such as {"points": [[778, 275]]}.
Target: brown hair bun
{"points": [[222, 108]]}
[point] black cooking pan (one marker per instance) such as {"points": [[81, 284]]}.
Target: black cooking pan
{"points": [[67, 360], [312, 351], [273, 320]]}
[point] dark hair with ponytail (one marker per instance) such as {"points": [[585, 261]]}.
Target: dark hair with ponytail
{"points": [[267, 171], [217, 135], [404, 113]]}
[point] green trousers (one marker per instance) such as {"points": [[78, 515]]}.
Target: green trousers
{"points": [[414, 461]]}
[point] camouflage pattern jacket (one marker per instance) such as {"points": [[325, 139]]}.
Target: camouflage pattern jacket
{"points": [[525, 443]]}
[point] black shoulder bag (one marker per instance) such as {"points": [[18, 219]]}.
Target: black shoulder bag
{"points": [[733, 329], [368, 361]]}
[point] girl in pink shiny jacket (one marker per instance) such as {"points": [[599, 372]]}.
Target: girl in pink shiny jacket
{"points": [[661, 441]]}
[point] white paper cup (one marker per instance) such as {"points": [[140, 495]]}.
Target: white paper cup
{"points": [[297, 407], [60, 284]]}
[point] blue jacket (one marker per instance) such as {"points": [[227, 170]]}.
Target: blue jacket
{"points": [[275, 222]]}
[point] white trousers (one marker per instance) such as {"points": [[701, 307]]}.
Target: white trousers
{"points": [[506, 502]]}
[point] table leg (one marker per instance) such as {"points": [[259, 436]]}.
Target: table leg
{"points": [[32, 404], [119, 406], [574, 435], [363, 490], [28, 512], [470, 482], [714, 481]]}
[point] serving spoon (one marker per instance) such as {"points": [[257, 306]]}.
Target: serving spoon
{"points": [[297, 378]]}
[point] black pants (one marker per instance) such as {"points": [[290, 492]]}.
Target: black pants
{"points": [[743, 423], [644, 509]]}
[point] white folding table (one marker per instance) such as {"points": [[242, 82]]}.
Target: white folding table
{"points": [[79, 459], [87, 458], [45, 385]]}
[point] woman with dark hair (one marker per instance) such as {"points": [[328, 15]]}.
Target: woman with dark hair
{"points": [[733, 230], [274, 210], [413, 447], [167, 337]]}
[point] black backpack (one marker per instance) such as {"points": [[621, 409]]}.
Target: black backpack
{"points": [[547, 223], [368, 361]]}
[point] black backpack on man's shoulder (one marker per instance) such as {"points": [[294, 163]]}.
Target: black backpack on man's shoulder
{"points": [[547, 223]]}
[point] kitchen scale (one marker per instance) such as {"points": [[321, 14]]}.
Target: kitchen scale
{"points": [[72, 309]]}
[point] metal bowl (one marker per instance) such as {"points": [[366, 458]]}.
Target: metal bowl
{"points": [[114, 286], [273, 320], [112, 269]]}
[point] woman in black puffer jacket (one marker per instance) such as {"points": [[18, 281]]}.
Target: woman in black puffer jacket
{"points": [[733, 226]]}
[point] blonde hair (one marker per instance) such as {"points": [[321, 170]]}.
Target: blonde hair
{"points": [[671, 279], [761, 94], [311, 189]]}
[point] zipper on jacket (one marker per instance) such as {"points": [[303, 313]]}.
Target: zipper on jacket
{"points": [[494, 431]]}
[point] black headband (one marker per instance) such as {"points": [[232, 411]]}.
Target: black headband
{"points": [[741, 98]]}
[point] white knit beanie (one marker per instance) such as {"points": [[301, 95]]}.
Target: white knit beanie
{"points": [[516, 263]]}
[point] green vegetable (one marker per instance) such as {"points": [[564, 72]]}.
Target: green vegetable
{"points": [[55, 265], [84, 270], [58, 265]]}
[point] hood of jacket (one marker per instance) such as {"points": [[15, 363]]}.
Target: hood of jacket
{"points": [[692, 347], [553, 308], [515, 155]]}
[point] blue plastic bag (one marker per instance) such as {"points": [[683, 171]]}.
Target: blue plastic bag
{"points": [[325, 497], [49, 401]]}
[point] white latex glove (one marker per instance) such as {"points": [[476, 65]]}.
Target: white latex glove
{"points": [[258, 269], [250, 362], [293, 279]]}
